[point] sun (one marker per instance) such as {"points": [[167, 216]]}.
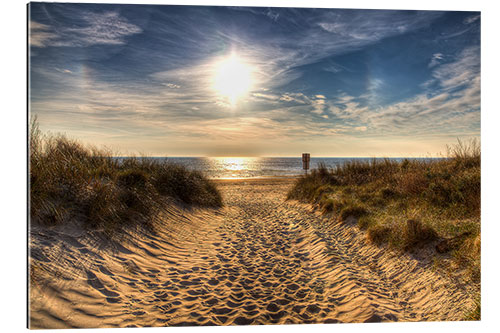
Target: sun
{"points": [[232, 77]]}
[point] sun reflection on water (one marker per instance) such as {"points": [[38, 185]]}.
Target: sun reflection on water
{"points": [[237, 166]]}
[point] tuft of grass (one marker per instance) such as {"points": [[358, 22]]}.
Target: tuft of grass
{"points": [[328, 205], [387, 192], [71, 181], [365, 222], [355, 210], [379, 234], [417, 233], [132, 178], [190, 187]]}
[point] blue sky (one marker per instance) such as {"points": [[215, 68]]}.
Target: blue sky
{"points": [[333, 82]]}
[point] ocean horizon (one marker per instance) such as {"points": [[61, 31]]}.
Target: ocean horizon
{"points": [[262, 167]]}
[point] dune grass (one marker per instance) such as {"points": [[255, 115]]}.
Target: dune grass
{"points": [[407, 204], [72, 181]]}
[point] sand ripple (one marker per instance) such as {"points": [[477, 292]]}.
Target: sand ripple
{"points": [[260, 260]]}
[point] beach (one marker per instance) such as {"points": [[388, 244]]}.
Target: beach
{"points": [[258, 260]]}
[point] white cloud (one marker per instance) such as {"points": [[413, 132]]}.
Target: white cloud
{"points": [[461, 72], [172, 85], [472, 19], [435, 60], [453, 108], [40, 35], [67, 71], [299, 98], [272, 15], [318, 106], [269, 97], [103, 28], [361, 28], [107, 28], [195, 109]]}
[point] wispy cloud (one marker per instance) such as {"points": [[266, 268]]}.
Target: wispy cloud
{"points": [[107, 28], [472, 19], [336, 33], [41, 35], [356, 27], [453, 108], [460, 73], [319, 77], [436, 59]]}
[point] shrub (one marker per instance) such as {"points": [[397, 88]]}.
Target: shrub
{"points": [[413, 182]]}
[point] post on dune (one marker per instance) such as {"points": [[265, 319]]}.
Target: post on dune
{"points": [[306, 157]]}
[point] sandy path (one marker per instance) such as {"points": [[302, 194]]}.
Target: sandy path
{"points": [[260, 260]]}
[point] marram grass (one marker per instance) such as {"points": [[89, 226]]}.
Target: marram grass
{"points": [[71, 181], [409, 204]]}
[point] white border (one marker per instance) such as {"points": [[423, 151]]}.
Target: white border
{"points": [[13, 166]]}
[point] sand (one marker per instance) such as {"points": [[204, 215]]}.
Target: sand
{"points": [[259, 260]]}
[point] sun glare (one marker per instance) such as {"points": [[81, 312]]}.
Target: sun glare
{"points": [[233, 78]]}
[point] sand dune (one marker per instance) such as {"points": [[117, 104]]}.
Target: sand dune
{"points": [[259, 260]]}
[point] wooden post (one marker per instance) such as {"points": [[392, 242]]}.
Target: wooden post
{"points": [[306, 157]]}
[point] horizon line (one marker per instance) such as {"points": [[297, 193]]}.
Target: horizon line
{"points": [[297, 156]]}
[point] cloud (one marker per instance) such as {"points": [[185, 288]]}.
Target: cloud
{"points": [[472, 19], [318, 106], [113, 113], [269, 97], [40, 34], [107, 28], [435, 60], [454, 107], [172, 85], [359, 27], [67, 71], [335, 68], [316, 35], [170, 99], [375, 84], [298, 98], [461, 72], [451, 107], [272, 15], [103, 28], [191, 111]]}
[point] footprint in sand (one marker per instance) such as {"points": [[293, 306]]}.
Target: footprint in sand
{"points": [[259, 260]]}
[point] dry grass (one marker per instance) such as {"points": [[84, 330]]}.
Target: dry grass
{"points": [[407, 204], [71, 181]]}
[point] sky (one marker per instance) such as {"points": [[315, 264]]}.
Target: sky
{"points": [[255, 81]]}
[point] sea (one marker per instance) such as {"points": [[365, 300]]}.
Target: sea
{"points": [[257, 167]]}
